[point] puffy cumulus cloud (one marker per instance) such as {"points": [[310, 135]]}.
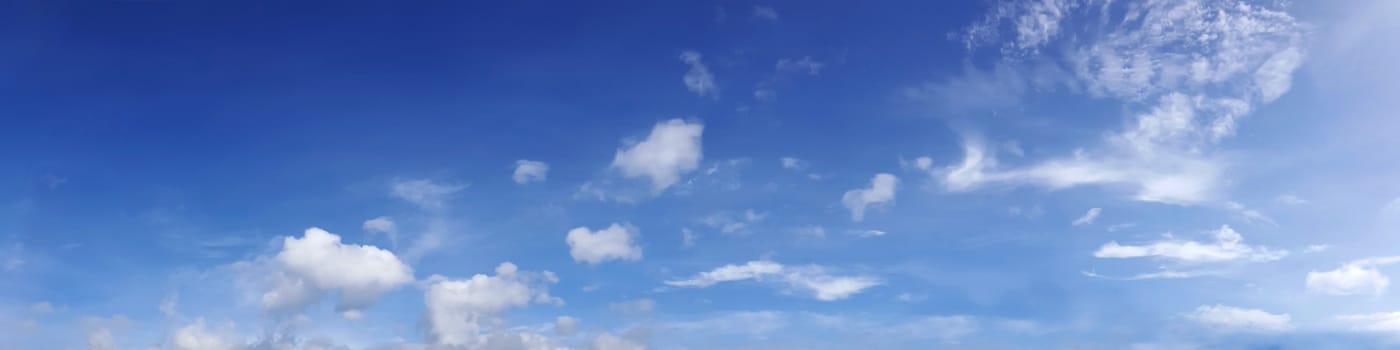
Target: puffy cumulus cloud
{"points": [[698, 79], [424, 193], [1190, 70], [1088, 218], [195, 337], [308, 267], [881, 190], [672, 149], [1380, 322], [462, 312], [812, 279], [1228, 246], [527, 171], [1229, 318], [1358, 277], [617, 242]]}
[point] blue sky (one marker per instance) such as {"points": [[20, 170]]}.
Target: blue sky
{"points": [[1062, 174]]}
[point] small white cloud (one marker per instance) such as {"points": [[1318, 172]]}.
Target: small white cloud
{"points": [[812, 279], [565, 325], [805, 65], [1088, 218], [672, 149], [1358, 277], [1228, 246], [383, 225], [730, 224], [527, 171], [765, 13], [460, 311], [617, 242], [791, 163], [424, 193], [1229, 318], [1380, 322], [881, 190], [698, 79]]}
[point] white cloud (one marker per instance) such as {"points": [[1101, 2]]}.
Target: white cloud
{"points": [[1228, 246], [672, 149], [565, 325], [698, 79], [1358, 277], [812, 279], [791, 163], [529, 170], [881, 190], [765, 13], [383, 225], [617, 242], [308, 267], [1196, 66], [729, 224], [462, 312], [424, 193], [101, 339], [1088, 218], [1231, 318], [1380, 322], [195, 337], [805, 65]]}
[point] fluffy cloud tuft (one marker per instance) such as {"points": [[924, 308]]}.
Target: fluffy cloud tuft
{"points": [[424, 193], [698, 79], [881, 190], [527, 171], [1358, 277], [1088, 218], [308, 267], [672, 149], [617, 242]]}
